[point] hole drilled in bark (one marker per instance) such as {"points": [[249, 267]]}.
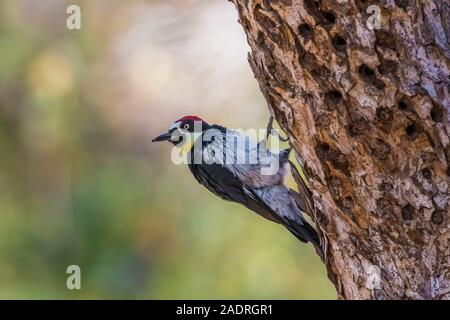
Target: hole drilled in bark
{"points": [[436, 114], [305, 30], [427, 173], [369, 76], [385, 39], [384, 206], [333, 97], [313, 3], [359, 126], [260, 39], [385, 186], [384, 115], [328, 18], [437, 217], [309, 62], [323, 150], [326, 153], [313, 8], [408, 212], [366, 72], [379, 84], [321, 72], [339, 43], [412, 130], [403, 3], [347, 202], [402, 105], [340, 161], [381, 150]]}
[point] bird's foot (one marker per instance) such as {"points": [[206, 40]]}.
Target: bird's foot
{"points": [[270, 131]]}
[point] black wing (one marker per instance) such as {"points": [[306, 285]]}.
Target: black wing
{"points": [[230, 188]]}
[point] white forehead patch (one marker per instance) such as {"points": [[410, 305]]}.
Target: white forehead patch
{"points": [[175, 125]]}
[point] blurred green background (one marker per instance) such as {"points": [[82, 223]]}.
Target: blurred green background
{"points": [[80, 182]]}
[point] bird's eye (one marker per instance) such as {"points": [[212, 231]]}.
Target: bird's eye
{"points": [[186, 126]]}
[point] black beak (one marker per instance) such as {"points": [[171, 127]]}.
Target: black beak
{"points": [[164, 137]]}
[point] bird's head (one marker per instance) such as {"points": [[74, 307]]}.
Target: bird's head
{"points": [[184, 132]]}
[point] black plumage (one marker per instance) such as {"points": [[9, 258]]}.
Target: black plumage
{"points": [[243, 183], [223, 183]]}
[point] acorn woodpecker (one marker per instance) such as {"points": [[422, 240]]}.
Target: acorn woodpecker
{"points": [[234, 168]]}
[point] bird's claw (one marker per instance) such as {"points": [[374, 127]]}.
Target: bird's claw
{"points": [[270, 131]]}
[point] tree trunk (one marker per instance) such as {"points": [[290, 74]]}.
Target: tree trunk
{"points": [[367, 112]]}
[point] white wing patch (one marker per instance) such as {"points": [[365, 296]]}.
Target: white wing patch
{"points": [[253, 165]]}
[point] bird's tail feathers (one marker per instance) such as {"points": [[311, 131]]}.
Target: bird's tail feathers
{"points": [[305, 233]]}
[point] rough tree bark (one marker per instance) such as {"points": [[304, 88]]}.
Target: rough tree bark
{"points": [[367, 111]]}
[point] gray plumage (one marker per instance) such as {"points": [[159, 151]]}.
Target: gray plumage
{"points": [[235, 168], [246, 184]]}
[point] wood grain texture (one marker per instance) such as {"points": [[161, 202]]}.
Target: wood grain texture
{"points": [[367, 112]]}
